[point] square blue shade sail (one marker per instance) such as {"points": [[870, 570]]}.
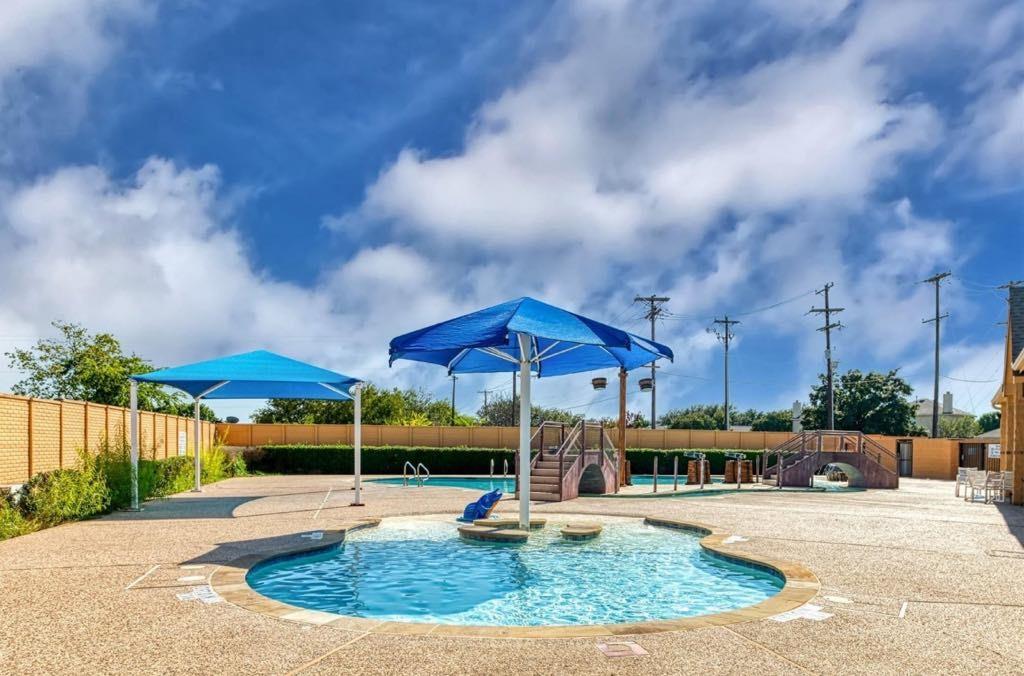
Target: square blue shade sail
{"points": [[254, 375], [562, 342]]}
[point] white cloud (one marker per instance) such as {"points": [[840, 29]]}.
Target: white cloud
{"points": [[50, 50], [606, 145], [624, 162]]}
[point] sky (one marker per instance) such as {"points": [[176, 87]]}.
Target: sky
{"points": [[209, 177]]}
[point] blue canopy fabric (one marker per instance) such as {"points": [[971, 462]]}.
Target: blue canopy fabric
{"points": [[562, 342], [254, 375]]}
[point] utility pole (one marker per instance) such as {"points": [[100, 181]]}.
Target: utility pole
{"points": [[515, 376], [726, 335], [937, 281], [654, 310], [454, 378], [485, 393], [828, 311]]}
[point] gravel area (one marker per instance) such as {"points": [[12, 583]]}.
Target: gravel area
{"points": [[912, 581]]}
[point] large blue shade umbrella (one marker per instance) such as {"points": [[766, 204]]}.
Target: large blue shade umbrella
{"points": [[561, 342], [526, 335], [251, 375]]}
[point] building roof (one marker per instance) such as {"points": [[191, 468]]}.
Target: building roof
{"points": [[1016, 298], [923, 407], [991, 434]]}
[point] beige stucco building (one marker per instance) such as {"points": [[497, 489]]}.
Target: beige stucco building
{"points": [[1010, 397]]}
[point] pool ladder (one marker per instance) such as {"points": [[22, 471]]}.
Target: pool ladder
{"points": [[417, 474]]}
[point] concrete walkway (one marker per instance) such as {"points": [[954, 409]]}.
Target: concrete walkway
{"points": [[914, 581]]}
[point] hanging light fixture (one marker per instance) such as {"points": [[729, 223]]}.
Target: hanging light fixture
{"points": [[599, 383], [646, 384]]}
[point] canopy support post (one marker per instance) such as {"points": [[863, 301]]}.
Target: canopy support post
{"points": [[524, 431], [622, 426], [357, 441], [197, 463], [134, 441]]}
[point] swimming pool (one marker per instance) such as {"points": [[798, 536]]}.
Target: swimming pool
{"points": [[508, 486], [419, 570]]}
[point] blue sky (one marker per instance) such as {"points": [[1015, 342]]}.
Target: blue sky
{"points": [[314, 178]]}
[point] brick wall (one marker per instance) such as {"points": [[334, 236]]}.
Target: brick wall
{"points": [[39, 435]]}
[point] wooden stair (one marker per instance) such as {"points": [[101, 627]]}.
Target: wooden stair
{"points": [[545, 481]]}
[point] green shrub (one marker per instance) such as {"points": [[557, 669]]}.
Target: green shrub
{"points": [[113, 459], [174, 475], [12, 522], [66, 494], [375, 459], [236, 466], [215, 464]]}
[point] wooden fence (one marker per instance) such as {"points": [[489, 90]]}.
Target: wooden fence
{"points": [[39, 435], [253, 434]]}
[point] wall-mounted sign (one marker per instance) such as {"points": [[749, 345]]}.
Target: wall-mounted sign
{"points": [[182, 442], [994, 450]]}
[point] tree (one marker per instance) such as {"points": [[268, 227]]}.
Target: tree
{"points": [[873, 403], [989, 421], [91, 367], [696, 417], [634, 419], [499, 410], [958, 427], [380, 407], [773, 421]]}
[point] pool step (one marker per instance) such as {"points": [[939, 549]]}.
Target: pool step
{"points": [[488, 534], [535, 522]]}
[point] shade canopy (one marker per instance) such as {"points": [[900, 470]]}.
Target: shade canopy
{"points": [[561, 342], [254, 375]]}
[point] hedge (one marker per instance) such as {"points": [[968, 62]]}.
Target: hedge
{"points": [[300, 459], [305, 459]]}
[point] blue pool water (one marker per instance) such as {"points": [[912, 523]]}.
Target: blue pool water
{"points": [[508, 486], [420, 570]]}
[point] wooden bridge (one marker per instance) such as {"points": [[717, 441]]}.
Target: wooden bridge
{"points": [[867, 463], [570, 461]]}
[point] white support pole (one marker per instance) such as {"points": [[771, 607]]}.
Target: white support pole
{"points": [[357, 439], [134, 440], [197, 462], [524, 432]]}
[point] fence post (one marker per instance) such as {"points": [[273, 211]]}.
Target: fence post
{"points": [[60, 434], [30, 453]]}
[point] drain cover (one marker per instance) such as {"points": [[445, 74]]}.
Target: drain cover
{"points": [[806, 612], [621, 649]]}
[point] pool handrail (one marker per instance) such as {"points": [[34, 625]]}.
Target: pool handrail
{"points": [[419, 476], [415, 474]]}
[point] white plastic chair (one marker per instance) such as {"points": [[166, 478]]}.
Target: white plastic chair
{"points": [[976, 484], [1000, 486], [961, 479]]}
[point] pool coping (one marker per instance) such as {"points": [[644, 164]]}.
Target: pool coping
{"points": [[800, 586]]}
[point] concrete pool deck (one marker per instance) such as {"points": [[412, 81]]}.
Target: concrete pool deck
{"points": [[912, 580]]}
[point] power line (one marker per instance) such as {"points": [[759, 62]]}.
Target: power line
{"points": [[654, 310], [725, 335], [937, 281], [828, 311]]}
